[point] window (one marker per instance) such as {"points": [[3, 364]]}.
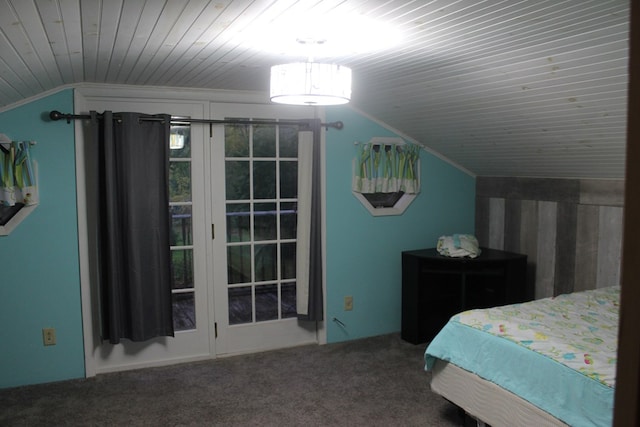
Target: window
{"points": [[8, 212], [386, 175], [261, 169], [18, 183], [181, 205]]}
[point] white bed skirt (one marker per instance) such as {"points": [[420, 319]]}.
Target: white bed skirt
{"points": [[486, 401]]}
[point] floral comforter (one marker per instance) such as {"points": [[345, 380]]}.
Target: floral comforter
{"points": [[579, 330]]}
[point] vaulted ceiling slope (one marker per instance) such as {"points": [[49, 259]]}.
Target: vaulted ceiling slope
{"points": [[500, 87]]}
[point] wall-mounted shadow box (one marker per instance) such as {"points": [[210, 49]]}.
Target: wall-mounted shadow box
{"points": [[18, 183], [386, 175]]}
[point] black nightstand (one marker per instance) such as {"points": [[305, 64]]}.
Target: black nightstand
{"points": [[435, 287]]}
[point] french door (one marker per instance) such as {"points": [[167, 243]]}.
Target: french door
{"points": [[191, 308], [254, 197], [234, 293]]}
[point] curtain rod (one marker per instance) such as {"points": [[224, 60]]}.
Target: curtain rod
{"points": [[57, 115]]}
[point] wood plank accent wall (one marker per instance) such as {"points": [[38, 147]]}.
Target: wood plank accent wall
{"points": [[570, 229]]}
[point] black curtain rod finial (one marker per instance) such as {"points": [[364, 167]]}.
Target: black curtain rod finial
{"points": [[57, 115], [336, 125]]}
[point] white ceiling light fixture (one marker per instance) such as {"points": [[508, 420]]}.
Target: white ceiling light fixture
{"points": [[310, 83], [330, 35], [322, 82]]}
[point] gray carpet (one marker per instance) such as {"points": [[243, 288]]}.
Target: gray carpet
{"points": [[376, 381]]}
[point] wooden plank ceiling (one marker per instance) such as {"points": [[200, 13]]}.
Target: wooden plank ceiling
{"points": [[500, 87]]}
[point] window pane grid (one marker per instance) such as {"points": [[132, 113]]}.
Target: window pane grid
{"points": [[277, 304], [266, 282], [261, 242], [253, 304], [182, 248], [179, 248], [264, 253]]}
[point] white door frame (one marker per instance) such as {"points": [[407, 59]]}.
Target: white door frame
{"points": [[91, 338], [187, 345], [275, 334]]}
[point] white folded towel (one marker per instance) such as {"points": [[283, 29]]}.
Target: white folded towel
{"points": [[458, 246]]}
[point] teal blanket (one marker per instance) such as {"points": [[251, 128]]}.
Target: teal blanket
{"points": [[557, 353]]}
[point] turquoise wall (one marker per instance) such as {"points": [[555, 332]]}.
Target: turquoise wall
{"points": [[363, 253], [40, 285], [39, 276]]}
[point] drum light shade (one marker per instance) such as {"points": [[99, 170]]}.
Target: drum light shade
{"points": [[310, 83]]}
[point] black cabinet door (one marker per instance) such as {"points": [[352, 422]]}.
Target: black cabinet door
{"points": [[435, 287]]}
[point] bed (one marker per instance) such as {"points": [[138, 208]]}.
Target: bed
{"points": [[546, 362]]}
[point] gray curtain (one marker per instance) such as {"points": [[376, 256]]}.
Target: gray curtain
{"points": [[134, 222], [316, 302]]}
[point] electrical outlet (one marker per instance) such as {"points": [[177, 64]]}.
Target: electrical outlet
{"points": [[348, 303], [49, 336]]}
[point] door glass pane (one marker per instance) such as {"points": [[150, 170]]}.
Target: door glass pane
{"points": [[288, 220], [261, 169], [236, 140], [181, 231], [182, 264], [266, 262], [240, 308], [184, 311], [238, 222], [288, 300], [265, 221], [264, 141], [288, 141], [181, 225], [288, 262], [266, 303], [180, 144], [179, 181], [264, 180], [288, 180], [237, 180], [239, 264]]}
